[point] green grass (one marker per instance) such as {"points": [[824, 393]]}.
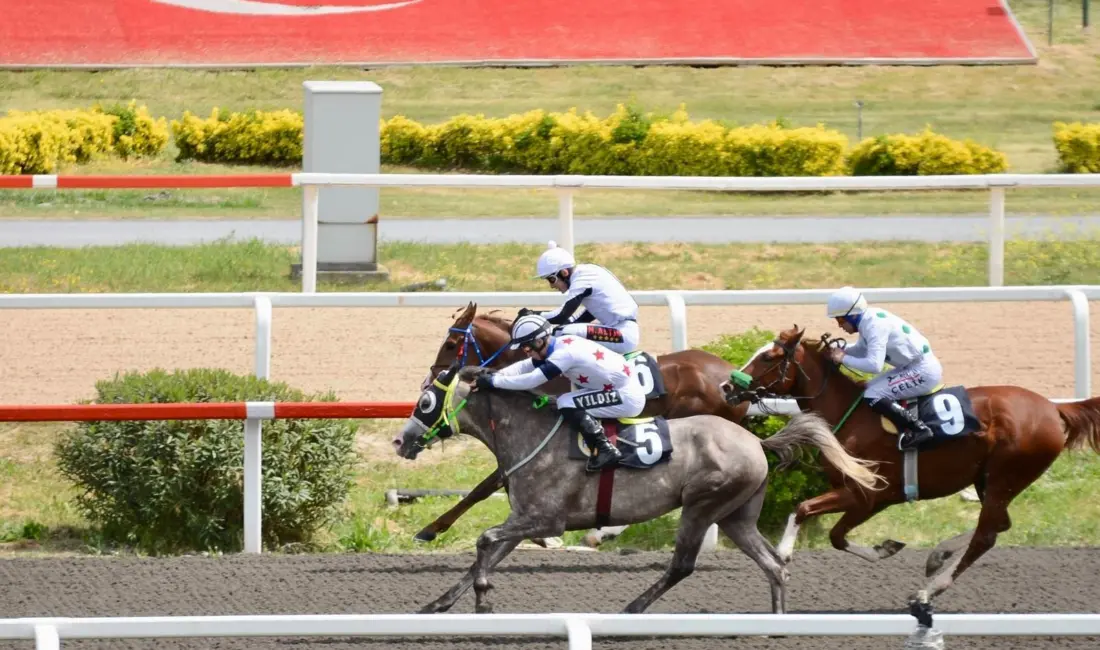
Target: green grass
{"points": [[36, 515], [1008, 107], [254, 266]]}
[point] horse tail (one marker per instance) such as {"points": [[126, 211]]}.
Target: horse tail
{"points": [[812, 429], [1082, 420]]}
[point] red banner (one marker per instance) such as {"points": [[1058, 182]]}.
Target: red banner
{"points": [[345, 31]]}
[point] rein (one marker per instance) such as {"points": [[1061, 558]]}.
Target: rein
{"points": [[762, 393], [448, 421], [464, 349]]}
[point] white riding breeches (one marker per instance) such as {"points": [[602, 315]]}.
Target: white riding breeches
{"points": [[913, 380], [625, 402], [622, 338]]}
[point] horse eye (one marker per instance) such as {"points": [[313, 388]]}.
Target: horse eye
{"points": [[427, 402], [449, 345]]}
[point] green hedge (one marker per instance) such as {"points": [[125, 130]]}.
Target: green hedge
{"points": [[172, 486], [788, 488], [626, 142], [923, 154], [1078, 147]]}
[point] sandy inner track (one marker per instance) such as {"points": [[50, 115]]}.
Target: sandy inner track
{"points": [[376, 354], [1006, 580]]}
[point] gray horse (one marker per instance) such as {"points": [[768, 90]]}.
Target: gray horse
{"points": [[717, 473]]}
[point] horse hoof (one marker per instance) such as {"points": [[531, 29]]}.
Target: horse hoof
{"points": [[432, 608], [424, 536], [889, 548], [538, 541], [935, 562], [591, 540], [484, 609]]}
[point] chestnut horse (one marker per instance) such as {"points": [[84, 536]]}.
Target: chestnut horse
{"points": [[692, 381], [1021, 434]]}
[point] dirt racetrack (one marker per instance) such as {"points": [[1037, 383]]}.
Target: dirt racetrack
{"points": [[1006, 580], [382, 354], [55, 356]]}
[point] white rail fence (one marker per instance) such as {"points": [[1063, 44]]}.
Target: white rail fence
{"points": [[677, 301], [577, 629], [567, 186]]}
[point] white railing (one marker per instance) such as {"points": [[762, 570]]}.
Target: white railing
{"points": [[567, 186], [577, 629], [676, 301]]}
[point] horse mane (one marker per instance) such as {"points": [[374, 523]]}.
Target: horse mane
{"points": [[818, 347], [500, 321]]}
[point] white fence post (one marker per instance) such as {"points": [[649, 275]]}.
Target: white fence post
{"points": [[677, 315], [310, 201], [46, 638], [996, 236], [262, 305], [565, 220], [253, 485], [578, 634], [1082, 353]]}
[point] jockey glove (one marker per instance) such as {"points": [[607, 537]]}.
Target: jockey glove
{"points": [[484, 380]]}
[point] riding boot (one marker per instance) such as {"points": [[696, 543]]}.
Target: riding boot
{"points": [[594, 436], [912, 433]]}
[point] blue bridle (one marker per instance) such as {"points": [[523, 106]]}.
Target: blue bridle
{"points": [[468, 337]]}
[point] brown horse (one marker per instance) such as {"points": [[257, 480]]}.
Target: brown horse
{"points": [[1021, 434], [691, 378]]}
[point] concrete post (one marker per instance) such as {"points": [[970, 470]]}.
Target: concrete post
{"points": [[342, 136]]}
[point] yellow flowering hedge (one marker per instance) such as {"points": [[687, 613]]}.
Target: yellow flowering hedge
{"points": [[626, 142], [254, 137], [923, 154], [38, 142], [1078, 147]]}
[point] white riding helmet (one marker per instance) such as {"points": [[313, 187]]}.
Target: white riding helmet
{"points": [[846, 301], [552, 260], [528, 329]]}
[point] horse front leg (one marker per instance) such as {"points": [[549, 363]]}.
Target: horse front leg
{"points": [[496, 543], [442, 523], [856, 508]]}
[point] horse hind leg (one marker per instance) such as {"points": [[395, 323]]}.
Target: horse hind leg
{"points": [[741, 527], [689, 541]]}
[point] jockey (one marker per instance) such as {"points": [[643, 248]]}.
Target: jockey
{"points": [[601, 294], [886, 338], [607, 387]]}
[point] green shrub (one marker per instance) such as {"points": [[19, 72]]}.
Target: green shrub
{"points": [[252, 138], [38, 142], [786, 489], [1078, 146], [923, 154], [177, 485]]}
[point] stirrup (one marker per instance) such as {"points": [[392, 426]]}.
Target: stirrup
{"points": [[594, 463], [911, 439]]}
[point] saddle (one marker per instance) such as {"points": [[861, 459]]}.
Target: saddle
{"points": [[644, 442], [648, 372], [947, 411]]}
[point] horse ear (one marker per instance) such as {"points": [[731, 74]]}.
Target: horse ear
{"points": [[468, 314], [798, 332]]}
